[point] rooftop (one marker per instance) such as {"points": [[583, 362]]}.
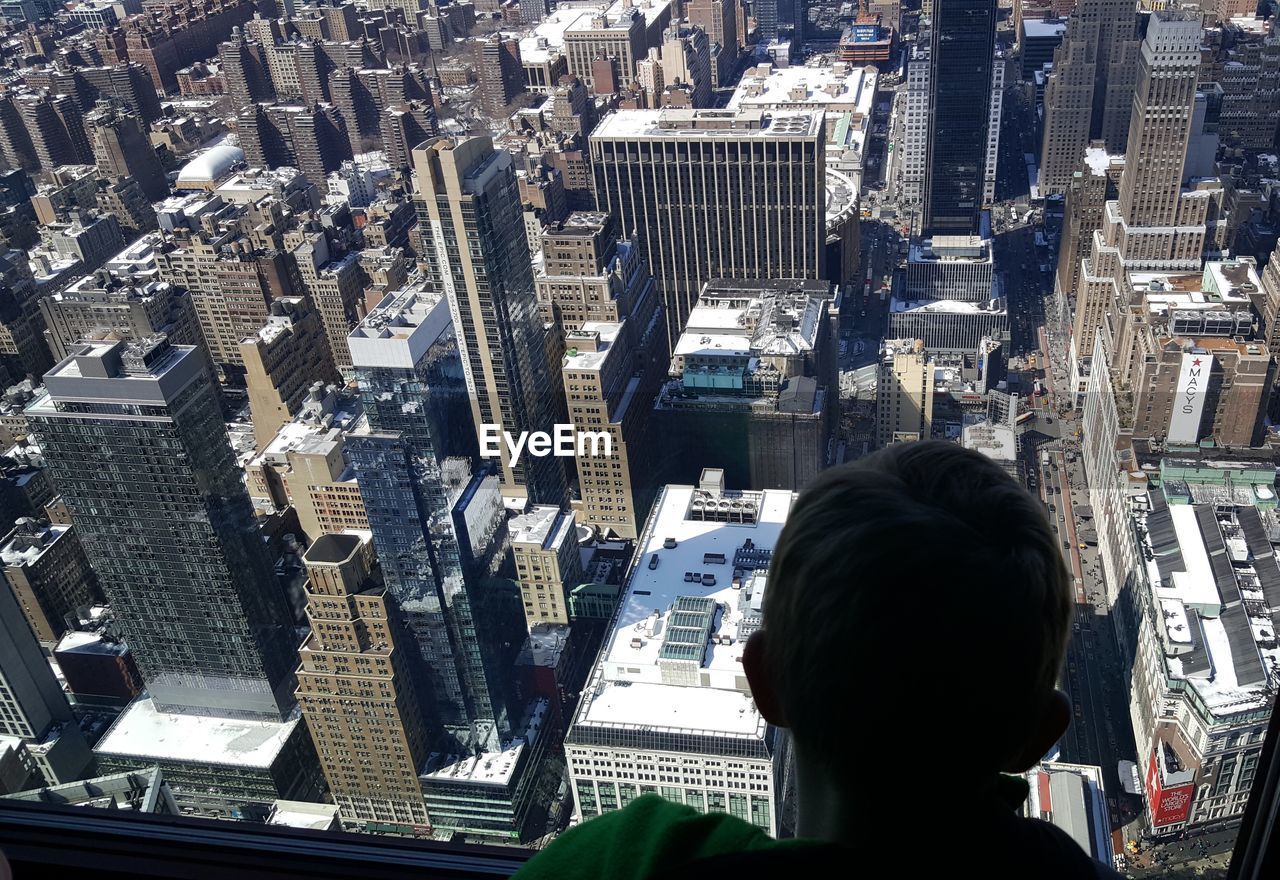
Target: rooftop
{"points": [[674, 122], [1213, 572], [544, 525], [693, 594], [839, 86], [142, 731], [547, 38], [400, 330]]}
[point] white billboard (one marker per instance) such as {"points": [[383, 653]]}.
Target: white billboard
{"points": [[1188, 397]]}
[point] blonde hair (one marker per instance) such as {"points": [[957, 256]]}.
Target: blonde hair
{"points": [[920, 594]]}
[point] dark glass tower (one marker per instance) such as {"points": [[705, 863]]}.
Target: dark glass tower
{"points": [[477, 254], [438, 528], [134, 439], [964, 33]]}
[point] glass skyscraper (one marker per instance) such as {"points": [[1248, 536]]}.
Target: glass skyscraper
{"points": [[962, 53], [134, 438], [438, 527], [477, 254]]}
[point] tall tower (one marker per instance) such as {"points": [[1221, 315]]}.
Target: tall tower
{"points": [[438, 530], [760, 179], [33, 707], [1088, 95], [121, 149], [960, 81], [477, 251], [355, 688], [1160, 124], [134, 439]]}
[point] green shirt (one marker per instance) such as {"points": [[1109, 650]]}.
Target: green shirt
{"points": [[649, 835]]}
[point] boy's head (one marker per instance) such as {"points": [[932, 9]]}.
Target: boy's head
{"points": [[918, 604]]}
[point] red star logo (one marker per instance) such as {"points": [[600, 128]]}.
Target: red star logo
{"points": [[1196, 362]]}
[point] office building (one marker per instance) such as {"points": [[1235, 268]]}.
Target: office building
{"points": [[1088, 94], [1151, 206], [412, 459], [281, 362], [467, 191], [545, 544], [753, 383], [1199, 623], [915, 123], [951, 267], [144, 792], [614, 39], [904, 392], [762, 214], [45, 567], [356, 691], [335, 285], [961, 78], [121, 149], [677, 644], [217, 767], [134, 437], [33, 710], [103, 305], [719, 20], [844, 92], [305, 466], [598, 293], [1094, 183]]}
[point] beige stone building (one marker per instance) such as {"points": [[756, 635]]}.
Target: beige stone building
{"points": [[904, 393], [355, 689], [548, 565], [282, 361]]}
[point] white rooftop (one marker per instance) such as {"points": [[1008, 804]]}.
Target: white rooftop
{"points": [[142, 731], [838, 87], [1195, 585], [304, 814], [631, 683], [681, 123], [547, 38], [1100, 160]]}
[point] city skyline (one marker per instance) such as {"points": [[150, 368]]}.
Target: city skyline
{"points": [[401, 406]]}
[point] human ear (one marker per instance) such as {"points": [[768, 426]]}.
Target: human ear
{"points": [[763, 686], [1046, 731]]}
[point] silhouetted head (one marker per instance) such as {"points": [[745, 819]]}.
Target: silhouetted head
{"points": [[918, 609]]}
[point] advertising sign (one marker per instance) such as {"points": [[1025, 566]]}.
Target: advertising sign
{"points": [[1188, 397]]}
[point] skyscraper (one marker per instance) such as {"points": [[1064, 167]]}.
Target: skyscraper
{"points": [[134, 439], [760, 208], [355, 688], [32, 705], [413, 461], [477, 252], [1088, 93], [121, 149], [960, 81]]}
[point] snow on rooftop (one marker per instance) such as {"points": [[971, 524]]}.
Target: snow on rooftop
{"points": [[1099, 160], [685, 584], [142, 731], [1195, 585], [718, 344], [303, 814], [147, 733]]}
